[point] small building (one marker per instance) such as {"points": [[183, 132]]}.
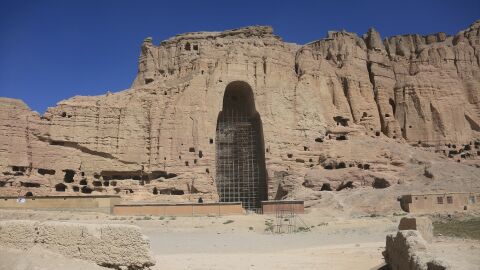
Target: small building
{"points": [[440, 202], [273, 207]]}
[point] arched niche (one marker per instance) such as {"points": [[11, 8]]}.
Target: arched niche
{"points": [[240, 158]]}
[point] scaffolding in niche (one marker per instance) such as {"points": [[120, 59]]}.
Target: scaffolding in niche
{"points": [[239, 176]]}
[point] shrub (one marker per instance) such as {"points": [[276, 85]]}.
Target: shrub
{"points": [[228, 221]]}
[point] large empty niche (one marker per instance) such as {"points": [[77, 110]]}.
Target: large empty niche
{"points": [[240, 158]]}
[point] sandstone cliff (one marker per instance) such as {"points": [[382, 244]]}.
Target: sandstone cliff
{"points": [[343, 102]]}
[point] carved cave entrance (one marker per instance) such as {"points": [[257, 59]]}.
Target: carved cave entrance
{"points": [[240, 159]]}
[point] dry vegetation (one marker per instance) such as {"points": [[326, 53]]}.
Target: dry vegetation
{"points": [[464, 228]]}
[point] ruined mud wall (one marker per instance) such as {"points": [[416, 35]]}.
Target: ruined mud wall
{"points": [[408, 251], [64, 203], [112, 246], [156, 140]]}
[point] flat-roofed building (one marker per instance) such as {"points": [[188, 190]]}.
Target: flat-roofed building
{"points": [[440, 202]]}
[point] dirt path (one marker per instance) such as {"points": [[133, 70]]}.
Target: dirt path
{"points": [[331, 249], [364, 256]]}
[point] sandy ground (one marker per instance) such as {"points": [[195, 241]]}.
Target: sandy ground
{"points": [[38, 259], [461, 254], [242, 242], [253, 251]]}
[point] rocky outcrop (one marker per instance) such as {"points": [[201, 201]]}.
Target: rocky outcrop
{"points": [[408, 251], [419, 88], [113, 246], [345, 102]]}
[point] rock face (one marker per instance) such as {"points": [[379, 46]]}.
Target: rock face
{"points": [[342, 102], [113, 246]]}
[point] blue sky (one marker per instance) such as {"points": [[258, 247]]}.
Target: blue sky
{"points": [[53, 50]]}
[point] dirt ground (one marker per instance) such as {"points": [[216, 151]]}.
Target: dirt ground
{"points": [[246, 242]]}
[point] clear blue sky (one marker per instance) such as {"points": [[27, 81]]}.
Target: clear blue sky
{"points": [[52, 50]]}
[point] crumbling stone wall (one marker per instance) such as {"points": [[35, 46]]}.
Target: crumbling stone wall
{"points": [[110, 245], [421, 224], [408, 251]]}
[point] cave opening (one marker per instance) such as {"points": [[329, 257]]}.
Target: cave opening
{"points": [[170, 191], [380, 183], [341, 165], [240, 158], [30, 184], [341, 121], [392, 103], [348, 184], [69, 174], [326, 187], [60, 187], [86, 190], [177, 192], [46, 171]]}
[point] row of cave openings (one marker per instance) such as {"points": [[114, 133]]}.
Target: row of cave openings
{"points": [[328, 166], [190, 47], [466, 151], [195, 161], [101, 180], [378, 183], [60, 187], [331, 136], [22, 170], [110, 178]]}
